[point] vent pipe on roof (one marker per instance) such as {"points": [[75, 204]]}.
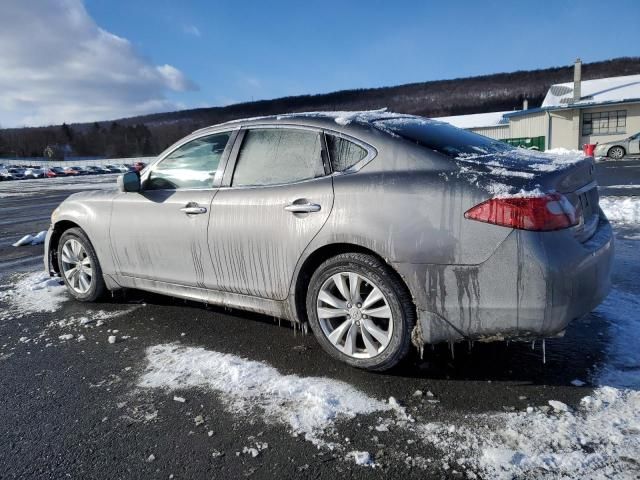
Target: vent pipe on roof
{"points": [[577, 80]]}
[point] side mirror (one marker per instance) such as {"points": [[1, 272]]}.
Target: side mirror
{"points": [[129, 182]]}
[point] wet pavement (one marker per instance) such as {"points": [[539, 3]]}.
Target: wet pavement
{"points": [[72, 408]]}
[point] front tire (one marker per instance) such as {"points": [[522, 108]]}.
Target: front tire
{"points": [[616, 153], [360, 311], [79, 266]]}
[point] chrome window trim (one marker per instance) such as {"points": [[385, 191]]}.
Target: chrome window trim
{"points": [[215, 179]]}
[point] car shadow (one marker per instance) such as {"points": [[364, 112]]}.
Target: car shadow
{"points": [[572, 357]]}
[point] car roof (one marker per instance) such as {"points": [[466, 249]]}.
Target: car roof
{"points": [[329, 119]]}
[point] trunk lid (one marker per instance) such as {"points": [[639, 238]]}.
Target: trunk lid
{"points": [[572, 175]]}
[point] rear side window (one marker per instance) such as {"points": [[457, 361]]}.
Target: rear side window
{"points": [[274, 156], [442, 137], [193, 165], [343, 153]]}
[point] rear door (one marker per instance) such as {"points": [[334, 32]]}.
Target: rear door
{"points": [[275, 198], [160, 233]]}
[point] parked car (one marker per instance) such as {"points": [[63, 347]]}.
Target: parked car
{"points": [[34, 172], [18, 173], [116, 168], [378, 230], [71, 171], [617, 149], [97, 169], [82, 170], [50, 173], [58, 171], [5, 175]]}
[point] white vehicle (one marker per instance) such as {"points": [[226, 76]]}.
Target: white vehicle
{"points": [[4, 174], [34, 172]]}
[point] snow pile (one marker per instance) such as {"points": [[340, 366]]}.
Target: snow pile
{"points": [[621, 209], [33, 293], [308, 406], [360, 458], [599, 440], [622, 367], [36, 239]]}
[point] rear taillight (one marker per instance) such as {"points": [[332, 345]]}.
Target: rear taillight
{"points": [[541, 213]]}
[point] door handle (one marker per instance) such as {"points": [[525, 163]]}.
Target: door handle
{"points": [[193, 210], [302, 207]]}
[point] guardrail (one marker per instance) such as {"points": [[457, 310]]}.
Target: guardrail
{"points": [[10, 162]]}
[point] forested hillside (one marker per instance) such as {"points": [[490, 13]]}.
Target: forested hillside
{"points": [[150, 134]]}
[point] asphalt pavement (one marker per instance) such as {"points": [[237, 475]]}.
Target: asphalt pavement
{"points": [[73, 408]]}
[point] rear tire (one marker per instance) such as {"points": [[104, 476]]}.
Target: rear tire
{"points": [[616, 153], [360, 311], [79, 266]]}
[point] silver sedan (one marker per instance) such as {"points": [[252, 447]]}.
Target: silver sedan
{"points": [[617, 149], [377, 230]]}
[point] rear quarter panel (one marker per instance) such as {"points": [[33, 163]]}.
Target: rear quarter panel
{"points": [[408, 205]]}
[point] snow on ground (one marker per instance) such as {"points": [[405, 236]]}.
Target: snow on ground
{"points": [[621, 209], [308, 406], [599, 439], [36, 292], [622, 366], [36, 239], [33, 293]]}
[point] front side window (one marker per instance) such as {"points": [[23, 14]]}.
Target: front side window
{"points": [[193, 165], [343, 153], [273, 156]]}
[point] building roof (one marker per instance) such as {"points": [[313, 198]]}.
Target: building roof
{"points": [[601, 90], [477, 120]]}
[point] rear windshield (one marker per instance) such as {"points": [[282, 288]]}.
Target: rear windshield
{"points": [[442, 137]]}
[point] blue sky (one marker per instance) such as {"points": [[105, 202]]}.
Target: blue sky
{"points": [[257, 50], [85, 60]]}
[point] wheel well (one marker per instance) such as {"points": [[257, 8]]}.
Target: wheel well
{"points": [[312, 263], [617, 146], [58, 229]]}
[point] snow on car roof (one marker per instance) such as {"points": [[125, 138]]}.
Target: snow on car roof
{"points": [[611, 89], [339, 117]]}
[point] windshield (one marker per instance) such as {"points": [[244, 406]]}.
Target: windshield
{"points": [[442, 137]]}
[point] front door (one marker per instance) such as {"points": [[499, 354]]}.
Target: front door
{"points": [[160, 233], [277, 200], [634, 145]]}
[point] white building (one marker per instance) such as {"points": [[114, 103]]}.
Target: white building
{"points": [[572, 114]]}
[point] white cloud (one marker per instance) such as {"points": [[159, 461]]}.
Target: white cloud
{"points": [[175, 79], [192, 30], [58, 65]]}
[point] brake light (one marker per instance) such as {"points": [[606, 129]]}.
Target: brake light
{"points": [[540, 213]]}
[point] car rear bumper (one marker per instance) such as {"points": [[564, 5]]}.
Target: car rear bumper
{"points": [[532, 286]]}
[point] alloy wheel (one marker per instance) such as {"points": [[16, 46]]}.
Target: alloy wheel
{"points": [[76, 266], [354, 315], [616, 153]]}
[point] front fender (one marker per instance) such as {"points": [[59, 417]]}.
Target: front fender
{"points": [[90, 211]]}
